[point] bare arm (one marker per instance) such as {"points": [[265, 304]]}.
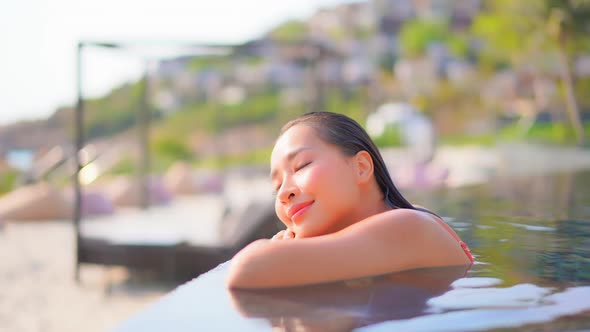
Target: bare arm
{"points": [[392, 241]]}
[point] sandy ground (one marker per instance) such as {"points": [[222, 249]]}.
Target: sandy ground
{"points": [[37, 263], [38, 291]]}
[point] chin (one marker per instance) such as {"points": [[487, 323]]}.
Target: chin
{"points": [[308, 233], [309, 228], [301, 234]]}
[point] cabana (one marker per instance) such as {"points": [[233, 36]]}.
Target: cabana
{"points": [[151, 240]]}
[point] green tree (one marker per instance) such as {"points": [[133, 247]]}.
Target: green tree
{"points": [[524, 33], [568, 26], [416, 35], [290, 31], [172, 148]]}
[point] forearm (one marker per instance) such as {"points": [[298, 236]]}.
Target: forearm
{"points": [[267, 264], [270, 264]]}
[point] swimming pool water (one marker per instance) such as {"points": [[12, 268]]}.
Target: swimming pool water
{"points": [[531, 239]]}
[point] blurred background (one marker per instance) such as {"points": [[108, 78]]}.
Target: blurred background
{"points": [[183, 100]]}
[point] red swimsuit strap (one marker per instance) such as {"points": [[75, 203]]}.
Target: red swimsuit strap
{"points": [[456, 237]]}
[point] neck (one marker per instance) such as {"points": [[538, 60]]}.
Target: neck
{"points": [[372, 202]]}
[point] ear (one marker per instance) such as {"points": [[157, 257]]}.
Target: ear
{"points": [[363, 166]]}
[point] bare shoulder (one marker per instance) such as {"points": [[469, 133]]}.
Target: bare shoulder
{"points": [[414, 238], [423, 224], [394, 221]]}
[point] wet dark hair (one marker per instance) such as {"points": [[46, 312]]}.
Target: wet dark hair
{"points": [[350, 137]]}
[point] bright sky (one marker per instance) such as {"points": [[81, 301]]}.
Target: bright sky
{"points": [[39, 37]]}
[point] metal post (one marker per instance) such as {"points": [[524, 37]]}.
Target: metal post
{"points": [[78, 144], [319, 102], [144, 115]]}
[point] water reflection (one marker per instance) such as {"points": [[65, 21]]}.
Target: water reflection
{"points": [[566, 259], [492, 308], [347, 305], [526, 229], [531, 239]]}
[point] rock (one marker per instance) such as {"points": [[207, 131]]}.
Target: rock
{"points": [[39, 201]]}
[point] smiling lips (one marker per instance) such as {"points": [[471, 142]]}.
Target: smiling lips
{"points": [[298, 209]]}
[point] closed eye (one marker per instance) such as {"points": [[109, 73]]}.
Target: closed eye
{"points": [[302, 166]]}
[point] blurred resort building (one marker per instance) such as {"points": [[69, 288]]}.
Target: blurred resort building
{"points": [[349, 57]]}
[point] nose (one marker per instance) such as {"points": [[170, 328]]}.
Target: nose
{"points": [[286, 192]]}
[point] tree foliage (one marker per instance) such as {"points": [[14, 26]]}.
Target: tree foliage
{"points": [[416, 35], [530, 33], [516, 31], [290, 31]]}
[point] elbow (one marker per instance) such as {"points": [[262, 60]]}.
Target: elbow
{"points": [[235, 276], [243, 272], [238, 276]]}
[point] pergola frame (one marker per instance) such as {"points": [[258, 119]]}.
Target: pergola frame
{"points": [[143, 115]]}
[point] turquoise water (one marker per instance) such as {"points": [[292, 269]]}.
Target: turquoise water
{"points": [[531, 239], [534, 229], [21, 159]]}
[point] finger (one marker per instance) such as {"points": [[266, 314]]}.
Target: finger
{"points": [[278, 236], [289, 235]]}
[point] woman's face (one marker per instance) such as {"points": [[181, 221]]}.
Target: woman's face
{"points": [[316, 190]]}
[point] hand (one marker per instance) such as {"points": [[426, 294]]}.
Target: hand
{"points": [[284, 235]]}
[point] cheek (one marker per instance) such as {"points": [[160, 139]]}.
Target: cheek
{"points": [[327, 180], [313, 178], [280, 213], [334, 185]]}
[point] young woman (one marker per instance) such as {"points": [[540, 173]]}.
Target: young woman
{"points": [[345, 218]]}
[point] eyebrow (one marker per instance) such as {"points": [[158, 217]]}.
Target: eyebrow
{"points": [[290, 157]]}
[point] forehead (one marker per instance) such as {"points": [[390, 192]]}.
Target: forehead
{"points": [[296, 137]]}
